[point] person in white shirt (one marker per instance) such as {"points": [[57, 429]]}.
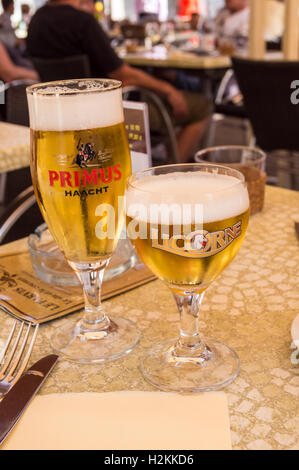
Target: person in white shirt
{"points": [[231, 29], [232, 22]]}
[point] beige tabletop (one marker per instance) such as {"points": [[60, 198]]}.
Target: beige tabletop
{"points": [[250, 307], [14, 147], [159, 56]]}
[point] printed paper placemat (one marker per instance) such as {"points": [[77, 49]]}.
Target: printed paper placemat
{"points": [[25, 296]]}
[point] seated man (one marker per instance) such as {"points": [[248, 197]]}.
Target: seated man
{"points": [[232, 22], [60, 29]]}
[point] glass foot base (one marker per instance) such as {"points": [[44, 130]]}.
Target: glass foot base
{"points": [[73, 343], [215, 369]]}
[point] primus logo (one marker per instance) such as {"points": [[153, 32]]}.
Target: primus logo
{"points": [[198, 244], [84, 177], [87, 158]]}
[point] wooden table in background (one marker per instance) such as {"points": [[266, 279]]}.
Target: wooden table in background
{"points": [[162, 58]]}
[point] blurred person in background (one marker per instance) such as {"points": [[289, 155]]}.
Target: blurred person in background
{"points": [[232, 23], [61, 29], [15, 47], [7, 33], [233, 19], [200, 23], [26, 14], [9, 71], [195, 21], [88, 6]]}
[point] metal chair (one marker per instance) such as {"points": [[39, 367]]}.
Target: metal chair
{"points": [[22, 215], [77, 66], [231, 117], [168, 130], [266, 89]]}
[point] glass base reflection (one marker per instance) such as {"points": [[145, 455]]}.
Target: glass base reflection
{"points": [[216, 366], [75, 342]]}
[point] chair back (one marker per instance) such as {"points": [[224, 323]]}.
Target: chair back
{"points": [[62, 69], [266, 89], [16, 107]]}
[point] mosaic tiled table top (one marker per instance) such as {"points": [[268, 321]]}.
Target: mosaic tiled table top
{"points": [[251, 307], [14, 147]]}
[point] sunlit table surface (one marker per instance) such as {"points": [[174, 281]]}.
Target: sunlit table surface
{"points": [[160, 56], [14, 147], [250, 307]]}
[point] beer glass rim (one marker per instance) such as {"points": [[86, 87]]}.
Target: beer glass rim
{"points": [[222, 148], [240, 178], [63, 87]]}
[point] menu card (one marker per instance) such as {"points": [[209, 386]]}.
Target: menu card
{"points": [[25, 296], [138, 133]]}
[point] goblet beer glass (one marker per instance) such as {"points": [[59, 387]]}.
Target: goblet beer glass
{"points": [[187, 223], [80, 163]]}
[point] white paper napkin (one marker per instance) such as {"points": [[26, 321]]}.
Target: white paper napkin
{"points": [[124, 420]]}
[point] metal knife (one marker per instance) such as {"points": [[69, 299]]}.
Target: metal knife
{"points": [[20, 395]]}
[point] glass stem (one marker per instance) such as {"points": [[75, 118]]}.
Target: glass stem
{"points": [[91, 278], [190, 343]]}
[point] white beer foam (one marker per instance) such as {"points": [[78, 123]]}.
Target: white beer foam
{"points": [[70, 112], [211, 196]]}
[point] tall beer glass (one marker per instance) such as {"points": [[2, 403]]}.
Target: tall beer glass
{"points": [[80, 163], [187, 223]]}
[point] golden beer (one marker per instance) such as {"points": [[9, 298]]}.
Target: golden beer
{"points": [[80, 164], [174, 260], [188, 256], [79, 177]]}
